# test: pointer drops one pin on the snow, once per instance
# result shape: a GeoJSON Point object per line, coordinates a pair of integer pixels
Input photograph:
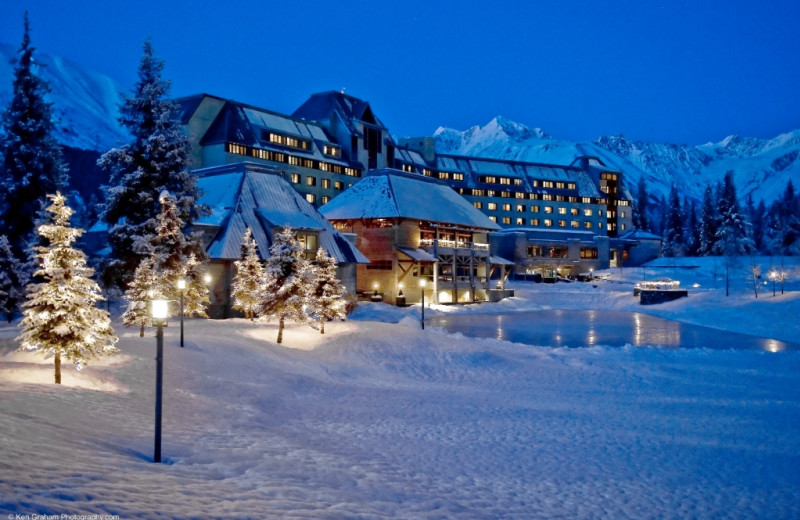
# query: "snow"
{"type": "Point", "coordinates": [379, 419]}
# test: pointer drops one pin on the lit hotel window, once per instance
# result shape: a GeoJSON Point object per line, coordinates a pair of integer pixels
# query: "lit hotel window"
{"type": "Point", "coordinates": [310, 197]}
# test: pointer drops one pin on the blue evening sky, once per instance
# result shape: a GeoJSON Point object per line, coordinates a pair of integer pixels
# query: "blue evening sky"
{"type": "Point", "coordinates": [681, 71]}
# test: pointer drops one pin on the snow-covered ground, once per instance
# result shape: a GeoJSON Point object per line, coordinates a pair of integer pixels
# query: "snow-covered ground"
{"type": "Point", "coordinates": [379, 419]}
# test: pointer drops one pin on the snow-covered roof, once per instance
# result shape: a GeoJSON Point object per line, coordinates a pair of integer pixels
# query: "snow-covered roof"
{"type": "Point", "coordinates": [323, 105]}
{"type": "Point", "coordinates": [243, 195]}
{"type": "Point", "coordinates": [389, 193]}
{"type": "Point", "coordinates": [638, 234]}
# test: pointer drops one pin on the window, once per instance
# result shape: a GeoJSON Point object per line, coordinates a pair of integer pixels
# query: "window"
{"type": "Point", "coordinates": [311, 180]}
{"type": "Point", "coordinates": [562, 211]}
{"type": "Point", "coordinates": [505, 194]}
{"type": "Point", "coordinates": [492, 218]}
{"type": "Point", "coordinates": [444, 175]}
{"type": "Point", "coordinates": [478, 204]}
{"type": "Point", "coordinates": [279, 157]}
{"type": "Point", "coordinates": [491, 206]}
{"type": "Point", "coordinates": [589, 252]}
{"type": "Point", "coordinates": [506, 207]}
{"type": "Point", "coordinates": [560, 185]}
{"type": "Point", "coordinates": [310, 197]}
{"type": "Point", "coordinates": [548, 222]}
{"type": "Point", "coordinates": [535, 251]}
{"type": "Point", "coordinates": [308, 163]}
{"type": "Point", "coordinates": [547, 184]}
{"type": "Point", "coordinates": [326, 183]}
{"type": "Point", "coordinates": [571, 185]}
{"type": "Point", "coordinates": [534, 222]}
{"type": "Point", "coordinates": [307, 241]}
{"type": "Point", "coordinates": [548, 209]}
{"type": "Point", "coordinates": [478, 193]}
{"type": "Point", "coordinates": [380, 265]}
{"type": "Point", "coordinates": [622, 226]}
{"type": "Point", "coordinates": [562, 223]}
{"type": "Point", "coordinates": [258, 153]}
{"type": "Point", "coordinates": [519, 195]}
{"type": "Point", "coordinates": [505, 180]}
{"type": "Point", "coordinates": [490, 193]}
{"type": "Point", "coordinates": [534, 209]}
{"type": "Point", "coordinates": [458, 176]}
{"type": "Point", "coordinates": [573, 211]}
{"type": "Point", "coordinates": [587, 225]}
{"type": "Point", "coordinates": [337, 185]}
{"type": "Point", "coordinates": [487, 179]}
{"type": "Point", "coordinates": [333, 151]}
{"type": "Point", "coordinates": [574, 224]}
{"type": "Point", "coordinates": [520, 221]}
{"type": "Point", "coordinates": [352, 172]}
{"type": "Point", "coordinates": [294, 178]}
{"type": "Point", "coordinates": [517, 182]}
{"type": "Point", "coordinates": [506, 220]}
{"type": "Point", "coordinates": [621, 214]}
{"type": "Point", "coordinates": [408, 168]}
{"type": "Point", "coordinates": [587, 212]}
{"type": "Point", "coordinates": [237, 149]}
{"type": "Point", "coordinates": [520, 208]}
{"type": "Point", "coordinates": [325, 199]}
{"type": "Point", "coordinates": [586, 200]}
{"type": "Point", "coordinates": [547, 196]}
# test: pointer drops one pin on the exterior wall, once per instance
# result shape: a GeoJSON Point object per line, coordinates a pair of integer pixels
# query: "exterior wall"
{"type": "Point", "coordinates": [644, 251]}
{"type": "Point", "coordinates": [199, 124]}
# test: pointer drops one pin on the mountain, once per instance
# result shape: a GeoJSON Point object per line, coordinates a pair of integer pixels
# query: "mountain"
{"type": "Point", "coordinates": [760, 167]}
{"type": "Point", "coordinates": [85, 103]}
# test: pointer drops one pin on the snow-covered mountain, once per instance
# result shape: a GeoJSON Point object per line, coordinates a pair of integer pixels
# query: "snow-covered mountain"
{"type": "Point", "coordinates": [86, 103]}
{"type": "Point", "coordinates": [761, 167]}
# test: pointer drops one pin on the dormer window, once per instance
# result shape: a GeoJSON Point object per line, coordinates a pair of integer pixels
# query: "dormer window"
{"type": "Point", "coordinates": [332, 151]}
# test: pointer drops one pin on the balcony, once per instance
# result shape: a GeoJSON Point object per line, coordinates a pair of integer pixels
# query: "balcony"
{"type": "Point", "coordinates": [453, 244]}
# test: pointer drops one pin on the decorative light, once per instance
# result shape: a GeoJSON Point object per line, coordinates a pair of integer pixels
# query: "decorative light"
{"type": "Point", "coordinates": [207, 278]}
{"type": "Point", "coordinates": [159, 310]}
{"type": "Point", "coordinates": [181, 284]}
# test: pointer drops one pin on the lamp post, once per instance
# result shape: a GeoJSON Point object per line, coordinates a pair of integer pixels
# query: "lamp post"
{"type": "Point", "coordinates": [159, 313]}
{"type": "Point", "coordinates": [772, 277]}
{"type": "Point", "coordinates": [422, 317]}
{"type": "Point", "coordinates": [181, 288]}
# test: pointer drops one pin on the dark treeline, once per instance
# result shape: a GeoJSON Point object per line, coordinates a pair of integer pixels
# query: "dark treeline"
{"type": "Point", "coordinates": [720, 224]}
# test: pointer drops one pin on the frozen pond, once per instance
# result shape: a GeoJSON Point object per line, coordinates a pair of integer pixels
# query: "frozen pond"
{"type": "Point", "coordinates": [575, 328]}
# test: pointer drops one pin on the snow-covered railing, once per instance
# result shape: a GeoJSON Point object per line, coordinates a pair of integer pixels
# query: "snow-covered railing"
{"type": "Point", "coordinates": [455, 244]}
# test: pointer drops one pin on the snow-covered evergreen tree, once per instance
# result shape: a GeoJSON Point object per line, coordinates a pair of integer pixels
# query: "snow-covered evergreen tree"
{"type": "Point", "coordinates": [783, 223]}
{"type": "Point", "coordinates": [195, 296]}
{"type": "Point", "coordinates": [31, 163]}
{"type": "Point", "coordinates": [170, 247]}
{"type": "Point", "coordinates": [156, 160]}
{"type": "Point", "coordinates": [732, 238]}
{"type": "Point", "coordinates": [287, 281]}
{"type": "Point", "coordinates": [144, 287]}
{"type": "Point", "coordinates": [326, 298]}
{"type": "Point", "coordinates": [12, 279]}
{"type": "Point", "coordinates": [247, 282]}
{"type": "Point", "coordinates": [61, 317]}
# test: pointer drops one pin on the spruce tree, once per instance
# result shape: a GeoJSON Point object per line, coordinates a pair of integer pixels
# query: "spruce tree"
{"type": "Point", "coordinates": [640, 218]}
{"type": "Point", "coordinates": [156, 160]}
{"type": "Point", "coordinates": [31, 162]}
{"type": "Point", "coordinates": [11, 280]}
{"type": "Point", "coordinates": [247, 288]}
{"type": "Point", "coordinates": [195, 296]}
{"type": "Point", "coordinates": [286, 281]}
{"type": "Point", "coordinates": [673, 243]}
{"type": "Point", "coordinates": [709, 222]}
{"type": "Point", "coordinates": [143, 288]}
{"type": "Point", "coordinates": [61, 317]}
{"type": "Point", "coordinates": [732, 234]}
{"type": "Point", "coordinates": [692, 229]}
{"type": "Point", "coordinates": [326, 299]}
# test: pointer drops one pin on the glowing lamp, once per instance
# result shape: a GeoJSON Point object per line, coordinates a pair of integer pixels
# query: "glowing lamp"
{"type": "Point", "coordinates": [181, 284]}
{"type": "Point", "coordinates": [159, 310]}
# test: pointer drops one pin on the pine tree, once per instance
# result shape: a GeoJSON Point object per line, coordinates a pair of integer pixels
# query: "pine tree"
{"type": "Point", "coordinates": [756, 216]}
{"type": "Point", "coordinates": [195, 296]}
{"type": "Point", "coordinates": [156, 160]}
{"type": "Point", "coordinates": [673, 243]}
{"type": "Point", "coordinates": [326, 299]}
{"type": "Point", "coordinates": [31, 162]}
{"type": "Point", "coordinates": [60, 316]}
{"type": "Point", "coordinates": [692, 230]}
{"type": "Point", "coordinates": [247, 288]}
{"type": "Point", "coordinates": [286, 281]}
{"type": "Point", "coordinates": [11, 280]}
{"type": "Point", "coordinates": [732, 234]}
{"type": "Point", "coordinates": [143, 288]}
{"type": "Point", "coordinates": [640, 218]}
{"type": "Point", "coordinates": [170, 247]}
{"type": "Point", "coordinates": [709, 222]}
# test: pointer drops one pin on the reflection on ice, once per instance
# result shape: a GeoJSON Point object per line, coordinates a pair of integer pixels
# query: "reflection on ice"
{"type": "Point", "coordinates": [610, 328]}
